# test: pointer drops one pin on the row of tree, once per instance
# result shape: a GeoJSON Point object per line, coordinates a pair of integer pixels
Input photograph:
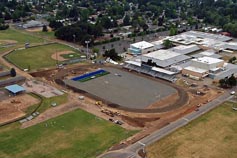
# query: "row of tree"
{"type": "Point", "coordinates": [79, 32]}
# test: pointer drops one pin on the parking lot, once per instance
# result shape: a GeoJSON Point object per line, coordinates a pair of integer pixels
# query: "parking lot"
{"type": "Point", "coordinates": [125, 89]}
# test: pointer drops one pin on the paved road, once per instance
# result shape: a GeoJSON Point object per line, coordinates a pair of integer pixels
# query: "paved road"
{"type": "Point", "coordinates": [157, 135]}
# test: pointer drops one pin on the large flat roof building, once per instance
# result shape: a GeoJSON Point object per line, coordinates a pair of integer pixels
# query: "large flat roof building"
{"type": "Point", "coordinates": [140, 48]}
{"type": "Point", "coordinates": [208, 40]}
{"type": "Point", "coordinates": [183, 49]}
{"type": "Point", "coordinates": [164, 58]}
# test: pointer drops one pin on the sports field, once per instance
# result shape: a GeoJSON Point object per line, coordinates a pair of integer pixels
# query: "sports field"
{"type": "Point", "coordinates": [37, 57]}
{"type": "Point", "coordinates": [19, 38]}
{"type": "Point", "coordinates": [213, 135]}
{"type": "Point", "coordinates": [125, 89]}
{"type": "Point", "coordinates": [77, 134]}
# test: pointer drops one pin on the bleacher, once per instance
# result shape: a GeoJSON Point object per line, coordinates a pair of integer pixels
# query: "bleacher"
{"type": "Point", "coordinates": [150, 72]}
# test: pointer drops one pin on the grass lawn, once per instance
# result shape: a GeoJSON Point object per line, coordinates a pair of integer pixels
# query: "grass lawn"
{"type": "Point", "coordinates": [76, 134]}
{"type": "Point", "coordinates": [49, 34]}
{"type": "Point", "coordinates": [18, 36]}
{"type": "Point", "coordinates": [213, 135]}
{"type": "Point", "coordinates": [37, 57]}
{"type": "Point", "coordinates": [46, 102]}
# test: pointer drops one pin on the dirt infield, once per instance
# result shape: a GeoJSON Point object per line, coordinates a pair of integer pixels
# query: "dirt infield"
{"type": "Point", "coordinates": [57, 55]}
{"type": "Point", "coordinates": [14, 107]}
{"type": "Point", "coordinates": [41, 88]}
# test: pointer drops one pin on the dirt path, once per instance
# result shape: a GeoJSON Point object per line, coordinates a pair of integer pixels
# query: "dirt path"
{"type": "Point", "coordinates": [51, 113]}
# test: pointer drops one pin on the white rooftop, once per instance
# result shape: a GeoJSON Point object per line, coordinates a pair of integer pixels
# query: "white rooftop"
{"type": "Point", "coordinates": [208, 52]}
{"type": "Point", "coordinates": [182, 47]}
{"type": "Point", "coordinates": [195, 69]}
{"type": "Point", "coordinates": [163, 70]}
{"type": "Point", "coordinates": [134, 63]}
{"type": "Point", "coordinates": [159, 42]}
{"type": "Point", "coordinates": [185, 49]}
{"type": "Point", "coordinates": [162, 54]}
{"type": "Point", "coordinates": [208, 60]}
{"type": "Point", "coordinates": [142, 45]}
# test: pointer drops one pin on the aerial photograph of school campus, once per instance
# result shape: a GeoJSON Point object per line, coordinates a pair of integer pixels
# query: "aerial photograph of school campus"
{"type": "Point", "coordinates": [118, 78]}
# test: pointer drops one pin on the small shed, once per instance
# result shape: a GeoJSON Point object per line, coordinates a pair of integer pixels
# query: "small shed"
{"type": "Point", "coordinates": [15, 89]}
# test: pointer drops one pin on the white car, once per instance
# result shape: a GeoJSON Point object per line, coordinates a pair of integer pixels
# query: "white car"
{"type": "Point", "coordinates": [232, 92]}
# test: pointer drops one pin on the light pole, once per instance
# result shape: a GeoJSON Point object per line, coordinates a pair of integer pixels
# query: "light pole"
{"type": "Point", "coordinates": [74, 38]}
{"type": "Point", "coordinates": [87, 52]}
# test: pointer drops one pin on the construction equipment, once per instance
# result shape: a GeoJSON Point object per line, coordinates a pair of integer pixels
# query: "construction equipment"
{"type": "Point", "coordinates": [98, 103]}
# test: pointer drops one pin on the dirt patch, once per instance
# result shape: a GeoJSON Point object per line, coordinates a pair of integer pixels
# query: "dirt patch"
{"type": "Point", "coordinates": [57, 56]}
{"type": "Point", "coordinates": [14, 107]}
{"type": "Point", "coordinates": [167, 101]}
{"type": "Point", "coordinates": [138, 122]}
{"type": "Point", "coordinates": [37, 29]}
{"type": "Point", "coordinates": [7, 42]}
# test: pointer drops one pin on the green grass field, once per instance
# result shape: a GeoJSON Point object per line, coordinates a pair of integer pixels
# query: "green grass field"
{"type": "Point", "coordinates": [49, 34]}
{"type": "Point", "coordinates": [37, 57]}
{"type": "Point", "coordinates": [18, 36]}
{"type": "Point", "coordinates": [46, 102]}
{"type": "Point", "coordinates": [77, 134]}
{"type": "Point", "coordinates": [213, 135]}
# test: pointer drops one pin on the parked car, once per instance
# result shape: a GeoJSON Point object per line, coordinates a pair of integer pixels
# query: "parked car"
{"type": "Point", "coordinates": [118, 122]}
{"type": "Point", "coordinates": [232, 92]}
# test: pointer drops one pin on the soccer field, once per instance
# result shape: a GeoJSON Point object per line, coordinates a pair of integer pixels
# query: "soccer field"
{"type": "Point", "coordinates": [213, 135]}
{"type": "Point", "coordinates": [76, 134]}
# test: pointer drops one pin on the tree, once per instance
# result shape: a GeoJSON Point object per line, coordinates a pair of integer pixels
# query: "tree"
{"type": "Point", "coordinates": [112, 54]}
{"type": "Point", "coordinates": [126, 20]}
{"type": "Point", "coordinates": [55, 24]}
{"type": "Point", "coordinates": [45, 29]}
{"type": "Point", "coordinates": [95, 50]}
{"type": "Point", "coordinates": [167, 44]}
{"type": "Point", "coordinates": [13, 72]}
{"type": "Point", "coordinates": [232, 80]}
{"type": "Point", "coordinates": [222, 82]}
{"type": "Point", "coordinates": [173, 31]}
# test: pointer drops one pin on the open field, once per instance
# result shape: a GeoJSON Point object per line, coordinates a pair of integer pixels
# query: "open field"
{"type": "Point", "coordinates": [75, 134]}
{"type": "Point", "coordinates": [37, 57]}
{"type": "Point", "coordinates": [125, 89]}
{"type": "Point", "coordinates": [212, 135]}
{"type": "Point", "coordinates": [49, 34]}
{"type": "Point", "coordinates": [20, 38]}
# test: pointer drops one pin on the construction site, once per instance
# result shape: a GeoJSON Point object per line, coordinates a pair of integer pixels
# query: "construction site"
{"type": "Point", "coordinates": [149, 115]}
